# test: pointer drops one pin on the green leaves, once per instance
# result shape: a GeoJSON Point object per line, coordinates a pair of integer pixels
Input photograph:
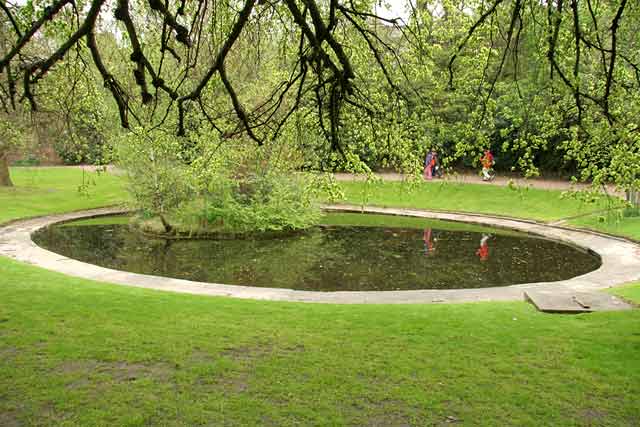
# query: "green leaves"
{"type": "Point", "coordinates": [200, 184]}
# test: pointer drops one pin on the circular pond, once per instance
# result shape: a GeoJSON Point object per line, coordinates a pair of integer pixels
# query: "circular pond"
{"type": "Point", "coordinates": [350, 252]}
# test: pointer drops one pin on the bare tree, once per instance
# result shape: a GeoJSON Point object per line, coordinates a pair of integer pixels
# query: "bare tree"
{"type": "Point", "coordinates": [322, 68]}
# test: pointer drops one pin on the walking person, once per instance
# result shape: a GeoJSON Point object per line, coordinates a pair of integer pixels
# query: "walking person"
{"type": "Point", "coordinates": [429, 163]}
{"type": "Point", "coordinates": [487, 166]}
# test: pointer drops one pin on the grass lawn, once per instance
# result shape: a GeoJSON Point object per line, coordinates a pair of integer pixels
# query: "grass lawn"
{"type": "Point", "coordinates": [543, 205]}
{"type": "Point", "coordinates": [625, 226]}
{"type": "Point", "coordinates": [40, 191]}
{"type": "Point", "coordinates": [101, 220]}
{"type": "Point", "coordinates": [75, 352]}
{"type": "Point", "coordinates": [79, 353]}
{"type": "Point", "coordinates": [630, 292]}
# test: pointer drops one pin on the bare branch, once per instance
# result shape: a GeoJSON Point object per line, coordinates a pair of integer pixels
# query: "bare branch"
{"type": "Point", "coordinates": [242, 115]}
{"type": "Point", "coordinates": [48, 15]}
{"type": "Point", "coordinates": [14, 24]}
{"type": "Point", "coordinates": [110, 82]}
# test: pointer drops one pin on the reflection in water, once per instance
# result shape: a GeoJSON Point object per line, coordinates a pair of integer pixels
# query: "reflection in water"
{"type": "Point", "coordinates": [331, 258]}
{"type": "Point", "coordinates": [483, 250]}
{"type": "Point", "coordinates": [429, 247]}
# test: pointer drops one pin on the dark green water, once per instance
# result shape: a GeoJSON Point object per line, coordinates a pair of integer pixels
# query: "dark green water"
{"type": "Point", "coordinates": [333, 258]}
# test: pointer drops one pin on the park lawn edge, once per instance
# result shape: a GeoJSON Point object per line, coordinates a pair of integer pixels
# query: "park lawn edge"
{"type": "Point", "coordinates": [86, 337]}
{"type": "Point", "coordinates": [77, 352]}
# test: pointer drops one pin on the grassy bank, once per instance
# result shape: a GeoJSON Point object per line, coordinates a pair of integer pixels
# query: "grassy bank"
{"type": "Point", "coordinates": [75, 352]}
{"type": "Point", "coordinates": [531, 203]}
{"type": "Point", "coordinates": [611, 224]}
{"type": "Point", "coordinates": [543, 205]}
{"type": "Point", "coordinates": [41, 191]}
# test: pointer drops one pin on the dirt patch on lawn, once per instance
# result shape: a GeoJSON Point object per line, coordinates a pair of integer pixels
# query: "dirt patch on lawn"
{"type": "Point", "coordinates": [378, 413]}
{"type": "Point", "coordinates": [237, 378]}
{"type": "Point", "coordinates": [237, 383]}
{"type": "Point", "coordinates": [248, 353]}
{"type": "Point", "coordinates": [87, 372]}
{"type": "Point", "coordinates": [245, 357]}
{"type": "Point", "coordinates": [259, 351]}
{"type": "Point", "coordinates": [592, 417]}
{"type": "Point", "coordinates": [201, 357]}
{"type": "Point", "coordinates": [9, 419]}
{"type": "Point", "coordinates": [386, 420]}
{"type": "Point", "coordinates": [8, 353]}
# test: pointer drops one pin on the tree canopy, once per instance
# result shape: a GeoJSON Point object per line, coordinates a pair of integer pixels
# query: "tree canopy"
{"type": "Point", "coordinates": [530, 78]}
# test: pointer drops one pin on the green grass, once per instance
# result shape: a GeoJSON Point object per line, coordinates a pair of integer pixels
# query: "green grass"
{"type": "Point", "coordinates": [41, 191]}
{"type": "Point", "coordinates": [75, 352]}
{"type": "Point", "coordinates": [79, 353]}
{"type": "Point", "coordinates": [612, 224]}
{"type": "Point", "coordinates": [543, 205]}
{"type": "Point", "coordinates": [630, 292]}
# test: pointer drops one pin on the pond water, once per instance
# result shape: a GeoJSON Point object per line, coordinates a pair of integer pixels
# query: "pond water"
{"type": "Point", "coordinates": [403, 254]}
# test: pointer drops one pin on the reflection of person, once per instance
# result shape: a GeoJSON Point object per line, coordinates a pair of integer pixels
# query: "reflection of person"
{"type": "Point", "coordinates": [429, 247]}
{"type": "Point", "coordinates": [429, 164]}
{"type": "Point", "coordinates": [487, 165]}
{"type": "Point", "coordinates": [483, 250]}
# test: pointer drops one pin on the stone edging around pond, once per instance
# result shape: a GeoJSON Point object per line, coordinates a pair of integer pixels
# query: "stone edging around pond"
{"type": "Point", "coordinates": [620, 264]}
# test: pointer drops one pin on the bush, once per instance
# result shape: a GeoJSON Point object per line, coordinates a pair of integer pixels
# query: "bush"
{"type": "Point", "coordinates": [201, 185]}
{"type": "Point", "coordinates": [85, 149]}
{"type": "Point", "coordinates": [157, 178]}
{"type": "Point", "coordinates": [631, 212]}
{"type": "Point", "coordinates": [246, 188]}
{"type": "Point", "coordinates": [273, 201]}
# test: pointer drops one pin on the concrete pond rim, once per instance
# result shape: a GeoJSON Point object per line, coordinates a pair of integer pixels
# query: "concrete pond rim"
{"type": "Point", "coordinates": [620, 263]}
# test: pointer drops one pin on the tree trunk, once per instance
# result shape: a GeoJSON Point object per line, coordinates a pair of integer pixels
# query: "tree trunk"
{"type": "Point", "coordinates": [167, 227]}
{"type": "Point", "coordinates": [5, 178]}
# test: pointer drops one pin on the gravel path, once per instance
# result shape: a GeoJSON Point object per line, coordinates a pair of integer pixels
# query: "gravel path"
{"type": "Point", "coordinates": [458, 178]}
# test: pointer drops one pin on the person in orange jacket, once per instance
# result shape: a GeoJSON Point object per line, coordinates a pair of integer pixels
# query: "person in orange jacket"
{"type": "Point", "coordinates": [487, 161]}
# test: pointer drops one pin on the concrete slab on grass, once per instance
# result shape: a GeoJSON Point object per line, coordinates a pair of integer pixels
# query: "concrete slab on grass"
{"type": "Point", "coordinates": [567, 301]}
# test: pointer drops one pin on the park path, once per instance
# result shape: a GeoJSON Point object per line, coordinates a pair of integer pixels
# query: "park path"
{"type": "Point", "coordinates": [457, 178]}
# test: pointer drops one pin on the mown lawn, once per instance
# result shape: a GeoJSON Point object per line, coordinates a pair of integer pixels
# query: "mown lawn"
{"type": "Point", "coordinates": [611, 224]}
{"type": "Point", "coordinates": [75, 352]}
{"type": "Point", "coordinates": [41, 191]}
{"type": "Point", "coordinates": [44, 190]}
{"type": "Point", "coordinates": [80, 353]}
{"type": "Point", "coordinates": [542, 205]}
